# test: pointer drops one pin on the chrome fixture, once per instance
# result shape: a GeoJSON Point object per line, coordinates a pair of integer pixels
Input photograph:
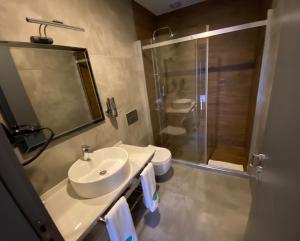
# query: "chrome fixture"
{"type": "Point", "coordinates": [257, 161]}
{"type": "Point", "coordinates": [53, 23]}
{"type": "Point", "coordinates": [86, 150]}
{"type": "Point", "coordinates": [111, 108]}
{"type": "Point", "coordinates": [103, 172]}
{"type": "Point", "coordinates": [171, 34]}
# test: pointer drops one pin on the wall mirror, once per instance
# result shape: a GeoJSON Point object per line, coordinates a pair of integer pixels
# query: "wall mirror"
{"type": "Point", "coordinates": [49, 86]}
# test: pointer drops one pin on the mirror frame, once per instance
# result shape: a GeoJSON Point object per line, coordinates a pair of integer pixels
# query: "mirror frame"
{"type": "Point", "coordinates": [9, 44]}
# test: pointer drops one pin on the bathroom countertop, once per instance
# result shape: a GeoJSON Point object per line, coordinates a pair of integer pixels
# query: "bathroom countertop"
{"type": "Point", "coordinates": [75, 216]}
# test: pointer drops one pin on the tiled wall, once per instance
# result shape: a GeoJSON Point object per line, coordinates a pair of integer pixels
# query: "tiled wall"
{"type": "Point", "coordinates": [145, 21]}
{"type": "Point", "coordinates": [215, 13]}
{"type": "Point", "coordinates": [110, 38]}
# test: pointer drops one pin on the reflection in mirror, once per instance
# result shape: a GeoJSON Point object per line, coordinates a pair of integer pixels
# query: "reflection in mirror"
{"type": "Point", "coordinates": [51, 86]}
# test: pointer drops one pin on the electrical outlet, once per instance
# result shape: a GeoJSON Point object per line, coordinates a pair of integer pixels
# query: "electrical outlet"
{"type": "Point", "coordinates": [132, 117]}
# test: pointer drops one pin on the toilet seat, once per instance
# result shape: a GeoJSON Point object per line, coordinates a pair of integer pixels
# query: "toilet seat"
{"type": "Point", "coordinates": [161, 160]}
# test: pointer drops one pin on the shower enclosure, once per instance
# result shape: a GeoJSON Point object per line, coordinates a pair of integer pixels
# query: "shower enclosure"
{"type": "Point", "coordinates": [182, 93]}
{"type": "Point", "coordinates": [177, 89]}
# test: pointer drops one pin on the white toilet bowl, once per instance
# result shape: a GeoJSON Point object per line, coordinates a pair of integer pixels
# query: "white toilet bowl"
{"type": "Point", "coordinates": [161, 160]}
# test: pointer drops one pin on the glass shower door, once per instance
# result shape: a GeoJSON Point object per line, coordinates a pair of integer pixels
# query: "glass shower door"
{"type": "Point", "coordinates": [177, 96]}
{"type": "Point", "coordinates": [202, 98]}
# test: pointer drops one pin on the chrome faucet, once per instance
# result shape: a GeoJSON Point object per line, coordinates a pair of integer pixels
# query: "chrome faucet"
{"type": "Point", "coordinates": [86, 150]}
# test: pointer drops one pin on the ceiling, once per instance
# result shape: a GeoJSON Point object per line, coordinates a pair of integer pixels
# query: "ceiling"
{"type": "Point", "coordinates": [159, 7]}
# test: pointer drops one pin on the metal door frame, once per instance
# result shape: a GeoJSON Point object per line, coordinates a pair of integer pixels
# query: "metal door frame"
{"type": "Point", "coordinates": [20, 188]}
{"type": "Point", "coordinates": [208, 34]}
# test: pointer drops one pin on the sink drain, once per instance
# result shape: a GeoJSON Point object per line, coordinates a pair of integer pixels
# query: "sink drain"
{"type": "Point", "coordinates": [101, 173]}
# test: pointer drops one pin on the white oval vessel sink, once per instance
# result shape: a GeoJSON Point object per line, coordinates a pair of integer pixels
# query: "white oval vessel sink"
{"type": "Point", "coordinates": [106, 170]}
{"type": "Point", "coordinates": [181, 103]}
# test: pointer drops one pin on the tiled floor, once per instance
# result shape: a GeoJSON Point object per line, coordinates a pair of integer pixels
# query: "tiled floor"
{"type": "Point", "coordinates": [196, 205]}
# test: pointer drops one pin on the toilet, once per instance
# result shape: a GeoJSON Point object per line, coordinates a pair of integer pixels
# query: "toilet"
{"type": "Point", "coordinates": [161, 160]}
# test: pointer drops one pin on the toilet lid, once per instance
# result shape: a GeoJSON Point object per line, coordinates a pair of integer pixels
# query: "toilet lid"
{"type": "Point", "coordinates": [161, 154]}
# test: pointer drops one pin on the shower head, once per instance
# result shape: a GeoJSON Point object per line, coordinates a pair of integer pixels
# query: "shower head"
{"type": "Point", "coordinates": [171, 34]}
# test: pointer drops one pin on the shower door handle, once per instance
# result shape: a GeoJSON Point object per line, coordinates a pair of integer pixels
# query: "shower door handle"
{"type": "Point", "coordinates": [202, 101]}
{"type": "Point", "coordinates": [163, 91]}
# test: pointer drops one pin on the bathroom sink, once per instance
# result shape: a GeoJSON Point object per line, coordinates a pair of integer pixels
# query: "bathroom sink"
{"type": "Point", "coordinates": [181, 103]}
{"type": "Point", "coordinates": [106, 170]}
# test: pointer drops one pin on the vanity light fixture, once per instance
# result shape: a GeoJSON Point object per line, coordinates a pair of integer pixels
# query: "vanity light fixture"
{"type": "Point", "coordinates": [54, 23]}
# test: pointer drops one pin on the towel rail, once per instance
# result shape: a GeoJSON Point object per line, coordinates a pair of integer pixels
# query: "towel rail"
{"type": "Point", "coordinates": [129, 191]}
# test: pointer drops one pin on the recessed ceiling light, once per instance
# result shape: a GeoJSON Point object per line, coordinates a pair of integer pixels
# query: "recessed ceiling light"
{"type": "Point", "coordinates": [175, 5]}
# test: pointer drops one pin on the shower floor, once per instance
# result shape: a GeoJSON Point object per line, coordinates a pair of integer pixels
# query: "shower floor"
{"type": "Point", "coordinates": [227, 165]}
{"type": "Point", "coordinates": [189, 151]}
{"type": "Point", "coordinates": [231, 154]}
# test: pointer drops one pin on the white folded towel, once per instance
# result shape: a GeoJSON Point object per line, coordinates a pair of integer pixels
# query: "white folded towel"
{"type": "Point", "coordinates": [119, 222]}
{"type": "Point", "coordinates": [149, 187]}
